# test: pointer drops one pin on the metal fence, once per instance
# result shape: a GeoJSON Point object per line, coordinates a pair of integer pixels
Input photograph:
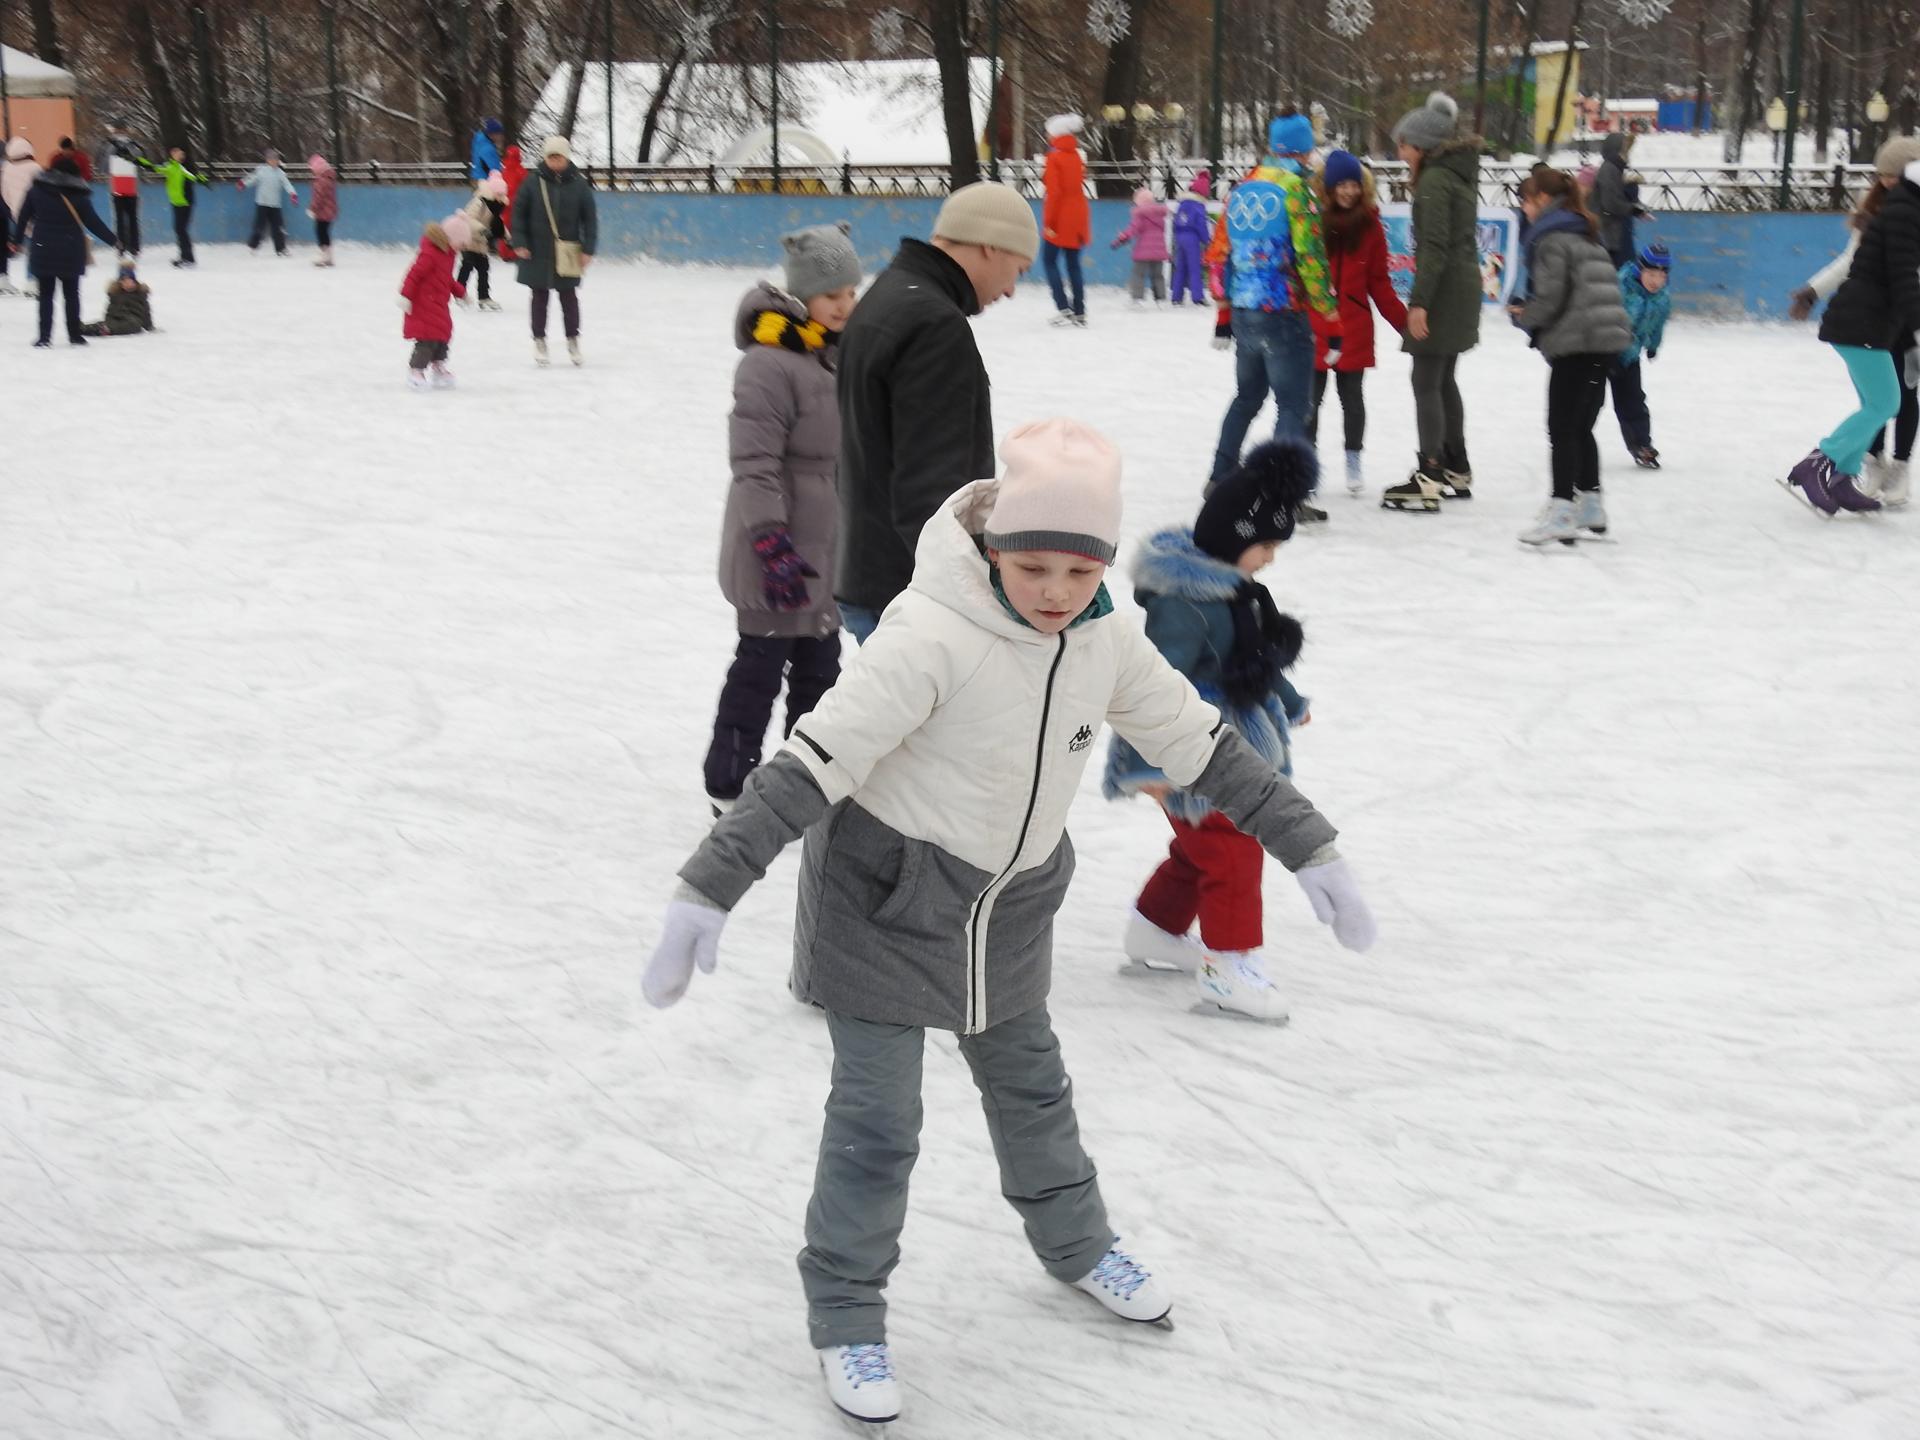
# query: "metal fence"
{"type": "Point", "coordinates": [1725, 188]}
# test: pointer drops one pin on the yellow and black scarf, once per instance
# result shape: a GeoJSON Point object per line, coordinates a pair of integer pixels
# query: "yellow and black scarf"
{"type": "Point", "coordinates": [803, 337]}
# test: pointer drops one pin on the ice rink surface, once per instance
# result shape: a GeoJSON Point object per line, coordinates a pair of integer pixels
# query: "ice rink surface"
{"type": "Point", "coordinates": [349, 739]}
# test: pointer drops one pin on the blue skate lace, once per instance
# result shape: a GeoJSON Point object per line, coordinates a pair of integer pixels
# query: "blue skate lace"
{"type": "Point", "coordinates": [1120, 1273]}
{"type": "Point", "coordinates": [867, 1364]}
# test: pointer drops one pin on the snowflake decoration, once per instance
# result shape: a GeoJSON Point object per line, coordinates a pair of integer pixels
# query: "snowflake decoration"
{"type": "Point", "coordinates": [1350, 18]}
{"type": "Point", "coordinates": [888, 32]}
{"type": "Point", "coordinates": [1643, 12]}
{"type": "Point", "coordinates": [1108, 21]}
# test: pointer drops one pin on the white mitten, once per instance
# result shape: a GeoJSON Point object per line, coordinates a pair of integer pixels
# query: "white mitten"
{"type": "Point", "coordinates": [690, 937]}
{"type": "Point", "coordinates": [406, 305]}
{"type": "Point", "coordinates": [1337, 901]}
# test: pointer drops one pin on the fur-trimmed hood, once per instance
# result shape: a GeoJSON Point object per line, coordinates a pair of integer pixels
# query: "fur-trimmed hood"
{"type": "Point", "coordinates": [1169, 563]}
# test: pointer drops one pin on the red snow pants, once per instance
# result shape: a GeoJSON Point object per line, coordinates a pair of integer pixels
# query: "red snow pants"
{"type": "Point", "coordinates": [1212, 872]}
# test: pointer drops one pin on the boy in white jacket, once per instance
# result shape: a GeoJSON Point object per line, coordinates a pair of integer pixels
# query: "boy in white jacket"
{"type": "Point", "coordinates": [272, 192]}
{"type": "Point", "coordinates": [932, 785]}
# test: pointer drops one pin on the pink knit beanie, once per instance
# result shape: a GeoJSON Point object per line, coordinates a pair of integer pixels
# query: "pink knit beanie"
{"type": "Point", "coordinates": [1059, 490]}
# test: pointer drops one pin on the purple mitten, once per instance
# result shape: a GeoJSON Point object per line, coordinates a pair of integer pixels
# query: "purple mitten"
{"type": "Point", "coordinates": [783, 573]}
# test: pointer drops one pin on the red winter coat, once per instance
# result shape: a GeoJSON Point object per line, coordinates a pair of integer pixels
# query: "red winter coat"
{"type": "Point", "coordinates": [1066, 218]}
{"type": "Point", "coordinates": [432, 289]}
{"type": "Point", "coordinates": [1357, 266]}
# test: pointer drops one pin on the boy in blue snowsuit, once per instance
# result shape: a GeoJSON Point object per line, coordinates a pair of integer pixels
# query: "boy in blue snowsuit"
{"type": "Point", "coordinates": [1643, 289]}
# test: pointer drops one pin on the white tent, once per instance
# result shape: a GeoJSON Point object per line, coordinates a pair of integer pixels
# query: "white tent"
{"type": "Point", "coordinates": [31, 78]}
{"type": "Point", "coordinates": [873, 112]}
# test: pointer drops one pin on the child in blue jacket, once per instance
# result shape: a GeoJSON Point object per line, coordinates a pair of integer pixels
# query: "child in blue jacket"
{"type": "Point", "coordinates": [1643, 289]}
{"type": "Point", "coordinates": [1218, 626]}
{"type": "Point", "coordinates": [1192, 227]}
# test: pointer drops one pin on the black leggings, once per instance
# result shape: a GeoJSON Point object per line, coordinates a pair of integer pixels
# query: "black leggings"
{"type": "Point", "coordinates": [427, 352]}
{"type": "Point", "coordinates": [126, 223]}
{"type": "Point", "coordinates": [182, 231]}
{"type": "Point", "coordinates": [1438, 413]}
{"type": "Point", "coordinates": [472, 262]}
{"type": "Point", "coordinates": [265, 218]}
{"type": "Point", "coordinates": [1576, 393]}
{"type": "Point", "coordinates": [1353, 404]}
{"type": "Point", "coordinates": [1904, 425]}
{"type": "Point", "coordinates": [323, 233]}
{"type": "Point", "coordinates": [68, 285]}
{"type": "Point", "coordinates": [808, 664]}
{"type": "Point", "coordinates": [569, 310]}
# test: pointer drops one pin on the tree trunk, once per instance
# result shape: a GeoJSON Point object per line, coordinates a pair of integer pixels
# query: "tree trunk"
{"type": "Point", "coordinates": [213, 109]}
{"type": "Point", "coordinates": [1699, 69]}
{"type": "Point", "coordinates": [570, 112]}
{"type": "Point", "coordinates": [1120, 85]}
{"type": "Point", "coordinates": [46, 32]}
{"type": "Point", "coordinates": [1822, 102]}
{"type": "Point", "coordinates": [1747, 62]}
{"type": "Point", "coordinates": [947, 22]}
{"type": "Point", "coordinates": [1566, 75]}
{"type": "Point", "coordinates": [650, 127]}
{"type": "Point", "coordinates": [1516, 111]}
{"type": "Point", "coordinates": [149, 55]}
{"type": "Point", "coordinates": [506, 29]}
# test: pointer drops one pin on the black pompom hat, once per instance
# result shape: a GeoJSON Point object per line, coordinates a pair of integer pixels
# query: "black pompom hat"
{"type": "Point", "coordinates": [1258, 500]}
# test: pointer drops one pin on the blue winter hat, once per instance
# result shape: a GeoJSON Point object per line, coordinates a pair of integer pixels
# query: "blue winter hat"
{"type": "Point", "coordinates": [1290, 134]}
{"type": "Point", "coordinates": [1342, 167]}
{"type": "Point", "coordinates": [1655, 257]}
{"type": "Point", "coordinates": [492, 126]}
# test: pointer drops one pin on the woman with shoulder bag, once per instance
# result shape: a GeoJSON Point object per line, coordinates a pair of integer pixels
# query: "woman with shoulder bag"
{"type": "Point", "coordinates": [59, 211]}
{"type": "Point", "coordinates": [555, 232]}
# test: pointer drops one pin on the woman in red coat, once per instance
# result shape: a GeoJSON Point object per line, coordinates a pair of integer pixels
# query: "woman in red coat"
{"type": "Point", "coordinates": [426, 297]}
{"type": "Point", "coordinates": [1066, 218]}
{"type": "Point", "coordinates": [1357, 263]}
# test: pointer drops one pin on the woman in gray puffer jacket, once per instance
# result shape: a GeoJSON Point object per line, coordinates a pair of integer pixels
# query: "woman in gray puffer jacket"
{"type": "Point", "coordinates": [1574, 314]}
{"type": "Point", "coordinates": [783, 511]}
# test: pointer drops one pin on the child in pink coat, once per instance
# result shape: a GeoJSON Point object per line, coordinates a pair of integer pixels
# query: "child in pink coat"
{"type": "Point", "coordinates": [1148, 231]}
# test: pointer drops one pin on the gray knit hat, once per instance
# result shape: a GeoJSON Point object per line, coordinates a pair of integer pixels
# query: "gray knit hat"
{"type": "Point", "coordinates": [1898, 153]}
{"type": "Point", "coordinates": [1431, 126]}
{"type": "Point", "coordinates": [820, 260]}
{"type": "Point", "coordinates": [987, 213]}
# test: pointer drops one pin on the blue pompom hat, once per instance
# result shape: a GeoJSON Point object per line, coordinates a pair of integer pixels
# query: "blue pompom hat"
{"type": "Point", "coordinates": [1655, 257]}
{"type": "Point", "coordinates": [1290, 135]}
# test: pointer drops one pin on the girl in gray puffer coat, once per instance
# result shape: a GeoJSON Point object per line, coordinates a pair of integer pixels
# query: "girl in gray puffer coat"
{"type": "Point", "coordinates": [782, 517]}
{"type": "Point", "coordinates": [1573, 312]}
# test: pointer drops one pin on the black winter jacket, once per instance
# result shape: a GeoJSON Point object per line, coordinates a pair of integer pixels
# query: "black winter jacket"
{"type": "Point", "coordinates": [916, 417]}
{"type": "Point", "coordinates": [1878, 305]}
{"type": "Point", "coordinates": [59, 244]}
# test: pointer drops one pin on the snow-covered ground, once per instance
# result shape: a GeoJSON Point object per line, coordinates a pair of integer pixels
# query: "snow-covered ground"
{"type": "Point", "coordinates": [349, 739]}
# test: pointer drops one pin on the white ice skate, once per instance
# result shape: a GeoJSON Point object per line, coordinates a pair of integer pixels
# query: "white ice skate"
{"type": "Point", "coordinates": [861, 1382]}
{"type": "Point", "coordinates": [7, 287]}
{"type": "Point", "coordinates": [573, 352]}
{"type": "Point", "coordinates": [1557, 522]}
{"type": "Point", "coordinates": [1590, 514]}
{"type": "Point", "coordinates": [1153, 951]}
{"type": "Point", "coordinates": [1356, 482]}
{"type": "Point", "coordinates": [442, 376]}
{"type": "Point", "coordinates": [540, 353]}
{"type": "Point", "coordinates": [1895, 489]}
{"type": "Point", "coordinates": [1236, 982]}
{"type": "Point", "coordinates": [1873, 477]}
{"type": "Point", "coordinates": [1128, 1289]}
{"type": "Point", "coordinates": [489, 304]}
{"type": "Point", "coordinates": [1061, 319]}
{"type": "Point", "coordinates": [417, 380]}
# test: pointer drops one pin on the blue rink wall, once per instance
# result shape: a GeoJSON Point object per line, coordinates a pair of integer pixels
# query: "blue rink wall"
{"type": "Point", "coordinates": [1725, 265]}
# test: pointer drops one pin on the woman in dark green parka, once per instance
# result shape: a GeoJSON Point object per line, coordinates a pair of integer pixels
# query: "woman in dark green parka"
{"type": "Point", "coordinates": [1443, 312]}
{"type": "Point", "coordinates": [555, 203]}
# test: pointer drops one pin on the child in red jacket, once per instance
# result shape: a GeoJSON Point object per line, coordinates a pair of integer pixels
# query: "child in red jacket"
{"type": "Point", "coordinates": [426, 298]}
{"type": "Point", "coordinates": [1357, 264]}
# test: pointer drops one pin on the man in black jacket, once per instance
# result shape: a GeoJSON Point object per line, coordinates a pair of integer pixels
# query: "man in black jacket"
{"type": "Point", "coordinates": [916, 414]}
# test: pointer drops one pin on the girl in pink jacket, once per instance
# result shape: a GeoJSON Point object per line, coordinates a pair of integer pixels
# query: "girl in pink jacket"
{"type": "Point", "coordinates": [1148, 231]}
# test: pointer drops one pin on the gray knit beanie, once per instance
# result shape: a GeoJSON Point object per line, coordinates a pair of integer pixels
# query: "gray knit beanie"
{"type": "Point", "coordinates": [820, 260]}
{"type": "Point", "coordinates": [1431, 126]}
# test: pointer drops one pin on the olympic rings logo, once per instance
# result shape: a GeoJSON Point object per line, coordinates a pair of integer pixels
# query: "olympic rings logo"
{"type": "Point", "coordinates": [1254, 207]}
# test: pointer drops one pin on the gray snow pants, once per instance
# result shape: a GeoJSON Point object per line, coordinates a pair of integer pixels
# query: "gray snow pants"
{"type": "Point", "coordinates": [1142, 272]}
{"type": "Point", "coordinates": [872, 1137]}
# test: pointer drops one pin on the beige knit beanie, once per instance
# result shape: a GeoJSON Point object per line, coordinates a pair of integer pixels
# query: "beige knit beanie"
{"type": "Point", "coordinates": [987, 213]}
{"type": "Point", "coordinates": [1059, 490]}
{"type": "Point", "coordinates": [1893, 157]}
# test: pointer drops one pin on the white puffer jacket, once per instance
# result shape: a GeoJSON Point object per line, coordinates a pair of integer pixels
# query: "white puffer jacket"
{"type": "Point", "coordinates": [960, 725]}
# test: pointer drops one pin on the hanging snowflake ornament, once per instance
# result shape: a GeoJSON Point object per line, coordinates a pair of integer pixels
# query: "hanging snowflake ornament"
{"type": "Point", "coordinates": [888, 32]}
{"type": "Point", "coordinates": [1349, 19]}
{"type": "Point", "coordinates": [1643, 12]}
{"type": "Point", "coordinates": [1108, 21]}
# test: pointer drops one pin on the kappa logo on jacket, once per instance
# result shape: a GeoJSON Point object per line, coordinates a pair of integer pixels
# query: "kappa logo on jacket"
{"type": "Point", "coordinates": [1082, 738]}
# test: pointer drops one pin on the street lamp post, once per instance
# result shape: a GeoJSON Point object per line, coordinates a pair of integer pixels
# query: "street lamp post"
{"type": "Point", "coordinates": [1877, 112]}
{"type": "Point", "coordinates": [1793, 98]}
{"type": "Point", "coordinates": [1776, 122]}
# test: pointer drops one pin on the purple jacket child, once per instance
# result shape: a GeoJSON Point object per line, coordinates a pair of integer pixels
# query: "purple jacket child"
{"type": "Point", "coordinates": [1191, 230]}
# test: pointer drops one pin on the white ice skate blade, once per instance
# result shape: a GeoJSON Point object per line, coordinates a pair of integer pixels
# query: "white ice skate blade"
{"type": "Point", "coordinates": [1215, 1010]}
{"type": "Point", "coordinates": [1138, 969]}
{"type": "Point", "coordinates": [1805, 504]}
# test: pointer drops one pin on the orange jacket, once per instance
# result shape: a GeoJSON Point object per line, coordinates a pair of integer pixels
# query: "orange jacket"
{"type": "Point", "coordinates": [1066, 219]}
